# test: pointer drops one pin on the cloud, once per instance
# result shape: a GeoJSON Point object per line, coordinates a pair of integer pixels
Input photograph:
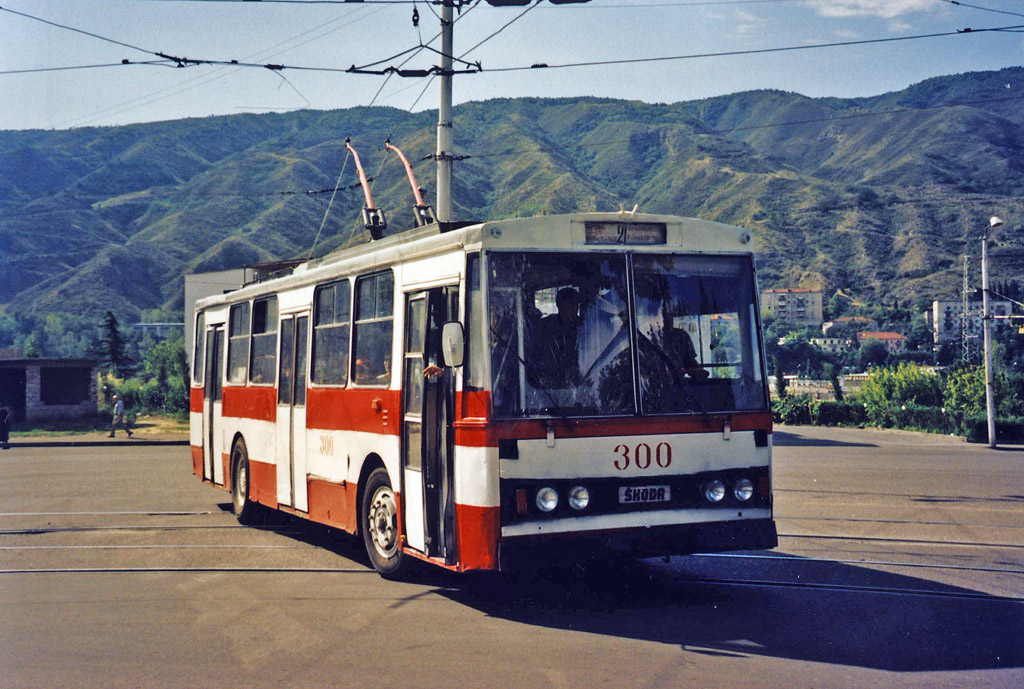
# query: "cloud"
{"type": "Point", "coordinates": [886, 9]}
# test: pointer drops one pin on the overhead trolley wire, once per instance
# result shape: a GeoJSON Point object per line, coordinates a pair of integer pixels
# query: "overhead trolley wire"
{"type": "Point", "coordinates": [754, 51]}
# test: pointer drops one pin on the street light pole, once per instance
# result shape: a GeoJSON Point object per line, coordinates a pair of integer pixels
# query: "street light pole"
{"type": "Point", "coordinates": [986, 321]}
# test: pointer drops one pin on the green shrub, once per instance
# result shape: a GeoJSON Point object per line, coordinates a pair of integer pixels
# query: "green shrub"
{"type": "Point", "coordinates": [829, 413]}
{"type": "Point", "coordinates": [1008, 429]}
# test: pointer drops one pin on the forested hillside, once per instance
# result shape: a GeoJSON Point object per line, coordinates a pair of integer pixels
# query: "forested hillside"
{"type": "Point", "coordinates": [875, 196]}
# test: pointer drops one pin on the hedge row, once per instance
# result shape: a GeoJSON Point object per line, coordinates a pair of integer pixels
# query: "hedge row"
{"type": "Point", "coordinates": [797, 410]}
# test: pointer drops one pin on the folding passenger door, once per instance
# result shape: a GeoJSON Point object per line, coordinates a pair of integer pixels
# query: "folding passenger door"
{"type": "Point", "coordinates": [291, 412]}
{"type": "Point", "coordinates": [213, 465]}
{"type": "Point", "coordinates": [427, 439]}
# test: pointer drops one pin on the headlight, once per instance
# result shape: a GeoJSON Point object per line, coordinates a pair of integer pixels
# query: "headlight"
{"type": "Point", "coordinates": [547, 499]}
{"type": "Point", "coordinates": [579, 498]}
{"type": "Point", "coordinates": [743, 490]}
{"type": "Point", "coordinates": [714, 491]}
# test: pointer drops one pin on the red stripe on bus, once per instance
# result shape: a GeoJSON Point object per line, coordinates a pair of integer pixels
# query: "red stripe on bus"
{"type": "Point", "coordinates": [473, 433]}
{"type": "Point", "coordinates": [197, 461]}
{"type": "Point", "coordinates": [336, 409]}
{"type": "Point", "coordinates": [333, 504]}
{"type": "Point", "coordinates": [195, 400]}
{"type": "Point", "coordinates": [479, 528]}
{"type": "Point", "coordinates": [263, 483]}
{"type": "Point", "coordinates": [258, 403]}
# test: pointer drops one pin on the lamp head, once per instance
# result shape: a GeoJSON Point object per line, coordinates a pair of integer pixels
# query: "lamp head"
{"type": "Point", "coordinates": [994, 221]}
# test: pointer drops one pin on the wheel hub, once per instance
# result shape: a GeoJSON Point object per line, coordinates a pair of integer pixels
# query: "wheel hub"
{"type": "Point", "coordinates": [383, 526]}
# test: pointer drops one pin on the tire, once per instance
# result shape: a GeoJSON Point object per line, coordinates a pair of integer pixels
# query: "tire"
{"type": "Point", "coordinates": [379, 524]}
{"type": "Point", "coordinates": [245, 509]}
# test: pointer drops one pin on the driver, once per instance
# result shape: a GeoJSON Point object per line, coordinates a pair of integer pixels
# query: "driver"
{"type": "Point", "coordinates": [679, 347]}
{"type": "Point", "coordinates": [556, 362]}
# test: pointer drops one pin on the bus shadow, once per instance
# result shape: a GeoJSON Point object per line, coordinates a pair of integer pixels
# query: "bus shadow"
{"type": "Point", "coordinates": [688, 603]}
{"type": "Point", "coordinates": [791, 439]}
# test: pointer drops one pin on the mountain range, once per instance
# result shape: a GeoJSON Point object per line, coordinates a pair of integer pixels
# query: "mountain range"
{"type": "Point", "coordinates": [878, 197]}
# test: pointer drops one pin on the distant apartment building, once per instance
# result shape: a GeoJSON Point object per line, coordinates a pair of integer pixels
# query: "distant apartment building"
{"type": "Point", "coordinates": [894, 342]}
{"type": "Point", "coordinates": [859, 322]}
{"type": "Point", "coordinates": [946, 323]}
{"type": "Point", "coordinates": [832, 344]}
{"type": "Point", "coordinates": [793, 305]}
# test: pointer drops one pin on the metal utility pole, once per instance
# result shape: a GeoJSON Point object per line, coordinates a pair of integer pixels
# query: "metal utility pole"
{"type": "Point", "coordinates": [986, 320]}
{"type": "Point", "coordinates": [444, 118]}
{"type": "Point", "coordinates": [965, 315]}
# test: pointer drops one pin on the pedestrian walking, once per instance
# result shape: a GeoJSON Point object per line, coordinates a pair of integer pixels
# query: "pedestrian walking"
{"type": "Point", "coordinates": [119, 417]}
{"type": "Point", "coordinates": [6, 420]}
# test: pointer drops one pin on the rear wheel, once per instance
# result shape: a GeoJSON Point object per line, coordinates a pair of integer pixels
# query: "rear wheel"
{"type": "Point", "coordinates": [379, 516]}
{"type": "Point", "coordinates": [244, 508]}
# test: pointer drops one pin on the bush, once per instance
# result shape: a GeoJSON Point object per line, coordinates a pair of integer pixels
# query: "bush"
{"type": "Point", "coordinates": [792, 409]}
{"type": "Point", "coordinates": [1008, 429]}
{"type": "Point", "coordinates": [827, 413]}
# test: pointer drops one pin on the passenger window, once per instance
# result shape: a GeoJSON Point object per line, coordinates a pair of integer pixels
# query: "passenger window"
{"type": "Point", "coordinates": [373, 329]}
{"type": "Point", "coordinates": [238, 343]}
{"type": "Point", "coordinates": [330, 333]}
{"type": "Point", "coordinates": [264, 341]}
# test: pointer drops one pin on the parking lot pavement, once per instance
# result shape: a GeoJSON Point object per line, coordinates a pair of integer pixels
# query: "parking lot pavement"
{"type": "Point", "coordinates": [901, 563]}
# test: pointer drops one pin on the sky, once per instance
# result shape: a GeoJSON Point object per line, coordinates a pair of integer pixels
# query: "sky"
{"type": "Point", "coordinates": [300, 33]}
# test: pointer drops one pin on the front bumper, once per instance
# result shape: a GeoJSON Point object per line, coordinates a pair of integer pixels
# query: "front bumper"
{"type": "Point", "coordinates": [704, 537]}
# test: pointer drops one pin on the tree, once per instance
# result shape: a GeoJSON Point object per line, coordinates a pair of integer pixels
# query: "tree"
{"type": "Point", "coordinates": [963, 390]}
{"type": "Point", "coordinates": [110, 347]}
{"type": "Point", "coordinates": [872, 353]}
{"type": "Point", "coordinates": [780, 378]}
{"type": "Point", "coordinates": [832, 373]}
{"type": "Point", "coordinates": [886, 388]}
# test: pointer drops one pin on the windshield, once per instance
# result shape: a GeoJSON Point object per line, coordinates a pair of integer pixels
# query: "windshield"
{"type": "Point", "coordinates": [697, 334]}
{"type": "Point", "coordinates": [561, 341]}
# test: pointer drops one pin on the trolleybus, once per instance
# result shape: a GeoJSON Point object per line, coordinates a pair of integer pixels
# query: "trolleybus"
{"type": "Point", "coordinates": [473, 395]}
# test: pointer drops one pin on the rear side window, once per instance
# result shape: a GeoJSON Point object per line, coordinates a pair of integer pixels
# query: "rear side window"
{"type": "Point", "coordinates": [375, 297]}
{"type": "Point", "coordinates": [199, 350]}
{"type": "Point", "coordinates": [264, 341]}
{"type": "Point", "coordinates": [238, 343]}
{"type": "Point", "coordinates": [331, 319]}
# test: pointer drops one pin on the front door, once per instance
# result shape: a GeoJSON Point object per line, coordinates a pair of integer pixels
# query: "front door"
{"type": "Point", "coordinates": [428, 410]}
{"type": "Point", "coordinates": [213, 465]}
{"type": "Point", "coordinates": [291, 413]}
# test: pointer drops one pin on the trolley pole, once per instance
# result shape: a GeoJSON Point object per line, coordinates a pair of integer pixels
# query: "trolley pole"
{"type": "Point", "coordinates": [444, 118]}
{"type": "Point", "coordinates": [986, 324]}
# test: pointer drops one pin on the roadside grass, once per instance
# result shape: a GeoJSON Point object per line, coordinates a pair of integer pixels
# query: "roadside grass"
{"type": "Point", "coordinates": [145, 424]}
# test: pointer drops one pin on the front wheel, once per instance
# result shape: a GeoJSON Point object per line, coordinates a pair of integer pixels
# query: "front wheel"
{"type": "Point", "coordinates": [380, 525]}
{"type": "Point", "coordinates": [244, 508]}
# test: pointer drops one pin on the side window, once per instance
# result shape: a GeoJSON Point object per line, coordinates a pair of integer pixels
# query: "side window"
{"type": "Point", "coordinates": [199, 350]}
{"type": "Point", "coordinates": [238, 342]}
{"type": "Point", "coordinates": [371, 349]}
{"type": "Point", "coordinates": [331, 316]}
{"type": "Point", "coordinates": [476, 375]}
{"type": "Point", "coordinates": [264, 341]}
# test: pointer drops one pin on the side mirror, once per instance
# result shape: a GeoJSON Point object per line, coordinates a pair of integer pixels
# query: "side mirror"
{"type": "Point", "coordinates": [453, 344]}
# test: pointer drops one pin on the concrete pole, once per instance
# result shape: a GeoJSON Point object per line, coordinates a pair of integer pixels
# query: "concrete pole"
{"type": "Point", "coordinates": [986, 321]}
{"type": "Point", "coordinates": [444, 119]}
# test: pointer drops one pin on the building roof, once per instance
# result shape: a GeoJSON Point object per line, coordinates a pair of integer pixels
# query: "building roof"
{"type": "Point", "coordinates": [790, 290]}
{"type": "Point", "coordinates": [880, 335]}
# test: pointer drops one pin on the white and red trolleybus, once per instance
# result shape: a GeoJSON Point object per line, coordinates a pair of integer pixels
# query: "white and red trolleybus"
{"type": "Point", "coordinates": [541, 386]}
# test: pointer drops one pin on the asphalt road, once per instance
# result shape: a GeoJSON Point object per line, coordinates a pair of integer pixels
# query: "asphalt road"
{"type": "Point", "coordinates": [901, 563]}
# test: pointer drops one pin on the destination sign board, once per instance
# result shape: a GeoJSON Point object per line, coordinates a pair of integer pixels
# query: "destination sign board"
{"type": "Point", "coordinates": [625, 233]}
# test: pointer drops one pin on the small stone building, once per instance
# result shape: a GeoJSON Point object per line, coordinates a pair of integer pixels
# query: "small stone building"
{"type": "Point", "coordinates": [38, 389]}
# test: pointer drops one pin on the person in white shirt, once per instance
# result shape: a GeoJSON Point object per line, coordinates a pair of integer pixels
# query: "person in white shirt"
{"type": "Point", "coordinates": [119, 417]}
